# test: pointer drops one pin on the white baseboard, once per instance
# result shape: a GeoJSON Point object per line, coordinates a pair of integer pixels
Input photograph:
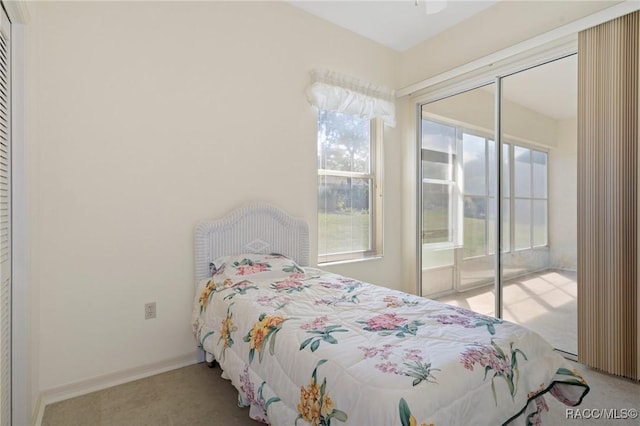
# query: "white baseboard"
{"type": "Point", "coordinates": [71, 390]}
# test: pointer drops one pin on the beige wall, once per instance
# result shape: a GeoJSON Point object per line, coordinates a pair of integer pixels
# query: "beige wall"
{"type": "Point", "coordinates": [144, 119]}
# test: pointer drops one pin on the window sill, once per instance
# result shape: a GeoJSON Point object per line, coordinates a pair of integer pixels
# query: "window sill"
{"type": "Point", "coordinates": [535, 248]}
{"type": "Point", "coordinates": [347, 261]}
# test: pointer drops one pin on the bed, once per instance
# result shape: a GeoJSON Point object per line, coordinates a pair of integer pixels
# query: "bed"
{"type": "Point", "coordinates": [305, 346]}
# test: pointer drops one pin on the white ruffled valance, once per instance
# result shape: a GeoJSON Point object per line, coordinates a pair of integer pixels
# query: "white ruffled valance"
{"type": "Point", "coordinates": [332, 91]}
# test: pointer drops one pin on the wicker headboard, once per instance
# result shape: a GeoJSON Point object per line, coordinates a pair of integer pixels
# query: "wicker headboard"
{"type": "Point", "coordinates": [254, 228]}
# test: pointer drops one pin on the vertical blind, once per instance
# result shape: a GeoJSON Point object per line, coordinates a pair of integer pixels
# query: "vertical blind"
{"type": "Point", "coordinates": [5, 224]}
{"type": "Point", "coordinates": [608, 69]}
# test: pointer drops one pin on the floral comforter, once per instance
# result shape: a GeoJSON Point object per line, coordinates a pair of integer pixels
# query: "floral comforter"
{"type": "Point", "coordinates": [303, 346]}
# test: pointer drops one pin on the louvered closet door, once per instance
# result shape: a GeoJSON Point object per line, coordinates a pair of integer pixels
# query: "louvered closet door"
{"type": "Point", "coordinates": [5, 224]}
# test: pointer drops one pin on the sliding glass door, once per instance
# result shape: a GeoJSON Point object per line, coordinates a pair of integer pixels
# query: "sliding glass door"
{"type": "Point", "coordinates": [458, 196]}
{"type": "Point", "coordinates": [538, 121]}
{"type": "Point", "coordinates": [461, 203]}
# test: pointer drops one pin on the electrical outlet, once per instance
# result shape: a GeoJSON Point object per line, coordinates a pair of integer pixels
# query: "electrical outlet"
{"type": "Point", "coordinates": [150, 310]}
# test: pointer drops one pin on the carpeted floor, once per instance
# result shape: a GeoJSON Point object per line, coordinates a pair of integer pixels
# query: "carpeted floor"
{"type": "Point", "coordinates": [190, 396]}
{"type": "Point", "coordinates": [197, 395]}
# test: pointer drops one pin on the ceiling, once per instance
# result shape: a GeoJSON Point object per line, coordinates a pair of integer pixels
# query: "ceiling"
{"type": "Point", "coordinates": [398, 24]}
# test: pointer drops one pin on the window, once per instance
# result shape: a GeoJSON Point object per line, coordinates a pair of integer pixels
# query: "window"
{"type": "Point", "coordinates": [530, 198]}
{"type": "Point", "coordinates": [476, 163]}
{"type": "Point", "coordinates": [458, 164]}
{"type": "Point", "coordinates": [479, 189]}
{"type": "Point", "coordinates": [349, 218]}
{"type": "Point", "coordinates": [438, 182]}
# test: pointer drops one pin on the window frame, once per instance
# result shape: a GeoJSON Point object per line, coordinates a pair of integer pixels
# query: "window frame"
{"type": "Point", "coordinates": [486, 196]}
{"type": "Point", "coordinates": [451, 183]}
{"type": "Point", "coordinates": [531, 198]}
{"type": "Point", "coordinates": [375, 176]}
{"type": "Point", "coordinates": [458, 183]}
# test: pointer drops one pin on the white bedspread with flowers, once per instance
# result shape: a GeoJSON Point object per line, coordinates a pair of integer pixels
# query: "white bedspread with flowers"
{"type": "Point", "coordinates": [303, 346]}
